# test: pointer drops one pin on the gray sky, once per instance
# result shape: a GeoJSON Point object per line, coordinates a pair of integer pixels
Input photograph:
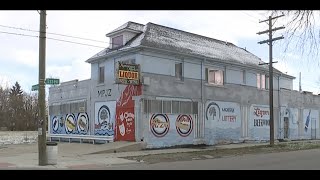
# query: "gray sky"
{"type": "Point", "coordinates": [66, 61]}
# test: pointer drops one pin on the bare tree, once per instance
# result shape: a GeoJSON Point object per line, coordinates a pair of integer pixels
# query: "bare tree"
{"type": "Point", "coordinates": [18, 110]}
{"type": "Point", "coordinates": [30, 111]}
{"type": "Point", "coordinates": [4, 107]}
{"type": "Point", "coordinates": [301, 31]}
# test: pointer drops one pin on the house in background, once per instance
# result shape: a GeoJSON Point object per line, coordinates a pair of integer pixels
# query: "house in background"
{"type": "Point", "coordinates": [168, 87]}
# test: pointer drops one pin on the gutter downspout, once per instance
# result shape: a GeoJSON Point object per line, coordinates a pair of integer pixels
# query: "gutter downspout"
{"type": "Point", "coordinates": [202, 115]}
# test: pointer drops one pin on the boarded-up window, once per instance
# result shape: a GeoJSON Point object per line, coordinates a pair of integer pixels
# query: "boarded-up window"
{"type": "Point", "coordinates": [156, 106]}
{"type": "Point", "coordinates": [195, 108]}
{"type": "Point", "coordinates": [101, 74]}
{"type": "Point", "coordinates": [117, 41]}
{"type": "Point", "coordinates": [175, 107]}
{"type": "Point", "coordinates": [145, 106]}
{"type": "Point", "coordinates": [74, 107]}
{"type": "Point", "coordinates": [185, 107]}
{"type": "Point", "coordinates": [65, 108]}
{"type": "Point", "coordinates": [170, 107]}
{"type": "Point", "coordinates": [82, 106]}
{"type": "Point", "coordinates": [166, 107]}
{"type": "Point", "coordinates": [54, 110]}
{"type": "Point", "coordinates": [178, 71]}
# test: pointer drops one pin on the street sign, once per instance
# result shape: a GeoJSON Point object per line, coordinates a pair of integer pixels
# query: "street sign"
{"type": "Point", "coordinates": [35, 87]}
{"type": "Point", "coordinates": [52, 81]}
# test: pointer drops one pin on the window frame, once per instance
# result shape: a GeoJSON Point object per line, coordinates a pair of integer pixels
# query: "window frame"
{"type": "Point", "coordinates": [263, 83]}
{"type": "Point", "coordinates": [181, 71]}
{"type": "Point", "coordinates": [100, 73]}
{"type": "Point", "coordinates": [114, 45]}
{"type": "Point", "coordinates": [215, 80]}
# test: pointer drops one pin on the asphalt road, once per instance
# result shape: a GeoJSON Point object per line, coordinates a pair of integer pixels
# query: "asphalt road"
{"type": "Point", "coordinates": [294, 160]}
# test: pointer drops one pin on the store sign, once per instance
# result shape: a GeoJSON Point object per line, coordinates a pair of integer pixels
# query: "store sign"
{"type": "Point", "coordinates": [128, 73]}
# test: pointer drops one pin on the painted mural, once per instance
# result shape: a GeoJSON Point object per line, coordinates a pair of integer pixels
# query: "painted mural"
{"type": "Point", "coordinates": [310, 123]}
{"type": "Point", "coordinates": [289, 126]}
{"type": "Point", "coordinates": [70, 124]}
{"type": "Point", "coordinates": [184, 125]}
{"type": "Point", "coordinates": [222, 122]}
{"type": "Point", "coordinates": [125, 118]}
{"type": "Point", "coordinates": [167, 130]}
{"type": "Point", "coordinates": [104, 118]}
{"type": "Point", "coordinates": [159, 125]}
{"type": "Point", "coordinates": [259, 127]}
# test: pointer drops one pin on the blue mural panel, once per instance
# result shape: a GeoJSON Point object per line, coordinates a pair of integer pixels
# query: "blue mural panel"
{"type": "Point", "coordinates": [104, 118]}
{"type": "Point", "coordinates": [77, 123]}
{"type": "Point", "coordinates": [222, 122]}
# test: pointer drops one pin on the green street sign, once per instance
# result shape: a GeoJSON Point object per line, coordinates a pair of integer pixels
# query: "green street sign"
{"type": "Point", "coordinates": [35, 87]}
{"type": "Point", "coordinates": [52, 81]}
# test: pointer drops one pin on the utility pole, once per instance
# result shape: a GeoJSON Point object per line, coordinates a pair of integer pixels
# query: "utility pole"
{"type": "Point", "coordinates": [300, 89]}
{"type": "Point", "coordinates": [42, 128]}
{"type": "Point", "coordinates": [269, 41]}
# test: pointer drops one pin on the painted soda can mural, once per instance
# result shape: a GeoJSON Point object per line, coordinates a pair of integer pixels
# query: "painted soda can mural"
{"type": "Point", "coordinates": [104, 118]}
{"type": "Point", "coordinates": [125, 118]}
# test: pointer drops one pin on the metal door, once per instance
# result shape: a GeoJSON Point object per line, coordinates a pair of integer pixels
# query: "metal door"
{"type": "Point", "coordinates": [286, 127]}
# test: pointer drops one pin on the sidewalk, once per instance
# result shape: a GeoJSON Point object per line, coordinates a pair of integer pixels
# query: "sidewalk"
{"type": "Point", "coordinates": [79, 156]}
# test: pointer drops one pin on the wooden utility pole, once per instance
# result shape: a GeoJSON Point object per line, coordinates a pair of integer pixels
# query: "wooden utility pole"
{"type": "Point", "coordinates": [269, 41]}
{"type": "Point", "coordinates": [42, 127]}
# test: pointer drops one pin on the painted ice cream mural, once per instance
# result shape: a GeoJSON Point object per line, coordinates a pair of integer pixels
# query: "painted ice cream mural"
{"type": "Point", "coordinates": [104, 118]}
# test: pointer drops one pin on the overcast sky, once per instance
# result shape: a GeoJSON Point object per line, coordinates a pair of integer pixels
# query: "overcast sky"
{"type": "Point", "coordinates": [66, 61]}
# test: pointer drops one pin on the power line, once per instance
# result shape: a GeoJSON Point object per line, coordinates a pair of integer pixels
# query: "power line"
{"type": "Point", "coordinates": [51, 39]}
{"type": "Point", "coordinates": [250, 15]}
{"type": "Point", "coordinates": [18, 34]}
{"type": "Point", "coordinates": [74, 42]}
{"type": "Point", "coordinates": [23, 29]}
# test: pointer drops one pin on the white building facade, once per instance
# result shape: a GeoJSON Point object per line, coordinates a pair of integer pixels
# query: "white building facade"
{"type": "Point", "coordinates": [183, 89]}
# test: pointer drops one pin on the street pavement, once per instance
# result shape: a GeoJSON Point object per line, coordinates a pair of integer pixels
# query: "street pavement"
{"type": "Point", "coordinates": [89, 156]}
{"type": "Point", "coordinates": [294, 160]}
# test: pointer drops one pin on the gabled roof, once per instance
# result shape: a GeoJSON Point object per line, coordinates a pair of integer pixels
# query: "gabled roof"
{"type": "Point", "coordinates": [174, 40]}
{"type": "Point", "coordinates": [129, 26]}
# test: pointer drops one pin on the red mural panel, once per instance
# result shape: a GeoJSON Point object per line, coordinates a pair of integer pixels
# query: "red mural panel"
{"type": "Point", "coordinates": [125, 128]}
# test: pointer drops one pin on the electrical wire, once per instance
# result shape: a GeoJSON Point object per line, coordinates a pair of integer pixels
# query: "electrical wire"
{"type": "Point", "coordinates": [58, 34]}
{"type": "Point", "coordinates": [52, 39]}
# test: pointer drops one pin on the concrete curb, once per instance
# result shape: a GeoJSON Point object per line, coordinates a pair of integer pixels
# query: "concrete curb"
{"type": "Point", "coordinates": [103, 160]}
